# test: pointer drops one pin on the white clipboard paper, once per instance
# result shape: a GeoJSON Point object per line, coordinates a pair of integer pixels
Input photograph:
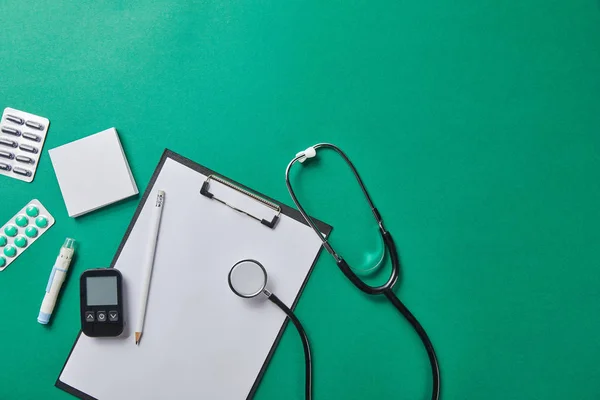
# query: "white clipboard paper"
{"type": "Point", "coordinates": [200, 340]}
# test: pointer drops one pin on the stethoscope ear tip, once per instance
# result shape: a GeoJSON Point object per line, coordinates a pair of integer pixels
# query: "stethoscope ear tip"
{"type": "Point", "coordinates": [306, 154]}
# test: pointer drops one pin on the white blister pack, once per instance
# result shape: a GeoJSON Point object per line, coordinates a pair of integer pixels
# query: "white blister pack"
{"type": "Point", "coordinates": [22, 230]}
{"type": "Point", "coordinates": [22, 136]}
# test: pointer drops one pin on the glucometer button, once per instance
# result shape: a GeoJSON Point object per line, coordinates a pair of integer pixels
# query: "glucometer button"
{"type": "Point", "coordinates": [101, 316]}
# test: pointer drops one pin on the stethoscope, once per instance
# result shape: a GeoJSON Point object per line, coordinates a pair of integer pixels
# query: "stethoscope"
{"type": "Point", "coordinates": [252, 271]}
{"type": "Point", "coordinates": [248, 279]}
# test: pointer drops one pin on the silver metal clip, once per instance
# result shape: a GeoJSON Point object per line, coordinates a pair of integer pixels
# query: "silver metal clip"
{"type": "Point", "coordinates": [275, 207]}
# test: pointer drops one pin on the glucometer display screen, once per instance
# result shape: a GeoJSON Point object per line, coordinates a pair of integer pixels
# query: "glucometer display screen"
{"type": "Point", "coordinates": [101, 290]}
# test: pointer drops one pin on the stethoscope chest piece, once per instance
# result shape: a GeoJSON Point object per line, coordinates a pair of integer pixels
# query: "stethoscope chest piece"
{"type": "Point", "coordinates": [247, 278]}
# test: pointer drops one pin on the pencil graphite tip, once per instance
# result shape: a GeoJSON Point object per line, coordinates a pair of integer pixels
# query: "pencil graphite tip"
{"type": "Point", "coordinates": [138, 336]}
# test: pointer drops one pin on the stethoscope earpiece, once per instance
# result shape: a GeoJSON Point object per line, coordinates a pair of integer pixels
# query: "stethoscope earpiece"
{"type": "Point", "coordinates": [306, 154]}
{"type": "Point", "coordinates": [351, 272]}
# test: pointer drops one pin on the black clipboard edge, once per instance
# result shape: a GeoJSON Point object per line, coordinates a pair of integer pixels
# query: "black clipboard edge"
{"type": "Point", "coordinates": [290, 212]}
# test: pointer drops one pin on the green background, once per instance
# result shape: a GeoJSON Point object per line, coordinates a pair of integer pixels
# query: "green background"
{"type": "Point", "coordinates": [475, 125]}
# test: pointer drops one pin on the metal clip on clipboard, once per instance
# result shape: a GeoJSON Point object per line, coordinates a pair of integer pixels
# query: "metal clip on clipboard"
{"type": "Point", "coordinates": [205, 192]}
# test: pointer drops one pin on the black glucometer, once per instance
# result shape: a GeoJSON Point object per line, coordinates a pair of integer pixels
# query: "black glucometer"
{"type": "Point", "coordinates": [101, 304]}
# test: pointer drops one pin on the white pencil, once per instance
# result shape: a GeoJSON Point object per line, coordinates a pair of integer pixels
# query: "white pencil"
{"type": "Point", "coordinates": [149, 262]}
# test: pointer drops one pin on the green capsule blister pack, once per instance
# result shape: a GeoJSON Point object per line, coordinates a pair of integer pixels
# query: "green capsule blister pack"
{"type": "Point", "coordinates": [19, 233]}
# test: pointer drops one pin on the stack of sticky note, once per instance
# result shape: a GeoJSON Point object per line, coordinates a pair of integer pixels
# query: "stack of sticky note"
{"type": "Point", "coordinates": [93, 172]}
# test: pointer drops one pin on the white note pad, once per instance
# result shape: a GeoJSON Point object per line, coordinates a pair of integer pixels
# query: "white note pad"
{"type": "Point", "coordinates": [200, 340]}
{"type": "Point", "coordinates": [93, 172]}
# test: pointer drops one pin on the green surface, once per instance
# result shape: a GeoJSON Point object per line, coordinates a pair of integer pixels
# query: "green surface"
{"type": "Point", "coordinates": [476, 126]}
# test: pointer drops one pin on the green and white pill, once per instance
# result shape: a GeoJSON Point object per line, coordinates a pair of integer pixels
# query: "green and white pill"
{"type": "Point", "coordinates": [32, 211]}
{"type": "Point", "coordinates": [31, 231]}
{"type": "Point", "coordinates": [41, 221]}
{"type": "Point", "coordinates": [2, 241]}
{"type": "Point", "coordinates": [10, 251]}
{"type": "Point", "coordinates": [21, 220]}
{"type": "Point", "coordinates": [21, 241]}
{"type": "Point", "coordinates": [2, 261]}
{"type": "Point", "coordinates": [10, 230]}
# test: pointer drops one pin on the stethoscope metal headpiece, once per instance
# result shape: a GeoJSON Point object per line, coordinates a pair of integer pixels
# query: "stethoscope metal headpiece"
{"type": "Point", "coordinates": [387, 288]}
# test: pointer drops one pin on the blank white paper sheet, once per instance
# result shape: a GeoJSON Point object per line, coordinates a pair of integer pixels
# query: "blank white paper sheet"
{"type": "Point", "coordinates": [93, 172]}
{"type": "Point", "coordinates": [200, 340]}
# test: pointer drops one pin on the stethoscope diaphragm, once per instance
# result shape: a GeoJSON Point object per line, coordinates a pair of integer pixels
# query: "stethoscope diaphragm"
{"type": "Point", "coordinates": [247, 278]}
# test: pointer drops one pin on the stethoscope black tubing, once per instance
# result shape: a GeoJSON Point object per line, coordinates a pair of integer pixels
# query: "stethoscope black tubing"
{"type": "Point", "coordinates": [387, 291]}
{"type": "Point", "coordinates": [435, 367]}
{"type": "Point", "coordinates": [305, 344]}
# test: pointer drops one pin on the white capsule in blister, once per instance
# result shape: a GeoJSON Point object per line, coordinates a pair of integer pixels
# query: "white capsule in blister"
{"type": "Point", "coordinates": [31, 136]}
{"type": "Point", "coordinates": [11, 131]}
{"type": "Point", "coordinates": [14, 119]}
{"type": "Point", "coordinates": [8, 142]}
{"type": "Point", "coordinates": [28, 148]}
{"type": "Point", "coordinates": [25, 159]}
{"type": "Point", "coordinates": [21, 171]}
{"type": "Point", "coordinates": [35, 125]}
{"type": "Point", "coordinates": [6, 154]}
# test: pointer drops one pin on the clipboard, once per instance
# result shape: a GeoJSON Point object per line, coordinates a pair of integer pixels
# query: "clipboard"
{"type": "Point", "coordinates": [280, 227]}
